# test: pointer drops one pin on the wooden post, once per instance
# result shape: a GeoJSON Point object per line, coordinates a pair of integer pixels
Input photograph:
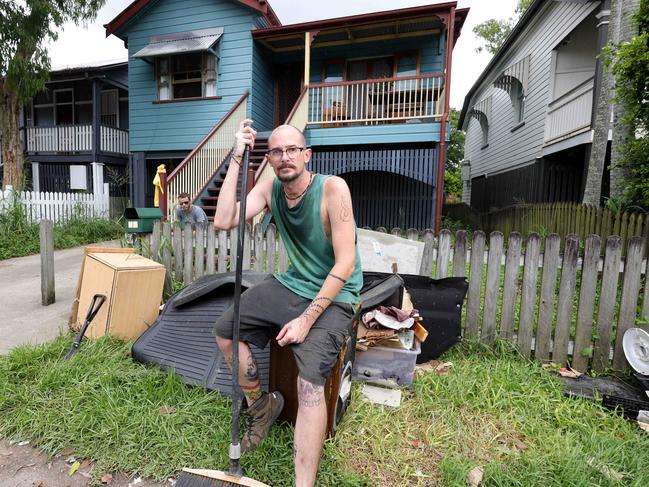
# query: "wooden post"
{"type": "Point", "coordinates": [48, 295]}
{"type": "Point", "coordinates": [307, 57]}
{"type": "Point", "coordinates": [164, 197]}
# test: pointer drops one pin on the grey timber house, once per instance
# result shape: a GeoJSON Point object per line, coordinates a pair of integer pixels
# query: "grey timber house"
{"type": "Point", "coordinates": [529, 116]}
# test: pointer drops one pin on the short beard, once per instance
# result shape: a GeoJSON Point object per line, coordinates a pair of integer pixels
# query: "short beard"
{"type": "Point", "coordinates": [289, 178]}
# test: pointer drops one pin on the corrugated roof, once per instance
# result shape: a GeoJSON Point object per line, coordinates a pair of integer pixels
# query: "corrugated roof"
{"type": "Point", "coordinates": [181, 42]}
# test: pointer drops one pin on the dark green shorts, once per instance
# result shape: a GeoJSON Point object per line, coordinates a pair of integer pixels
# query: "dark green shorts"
{"type": "Point", "coordinates": [268, 306]}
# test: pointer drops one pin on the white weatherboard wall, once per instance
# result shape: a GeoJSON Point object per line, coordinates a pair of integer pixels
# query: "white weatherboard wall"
{"type": "Point", "coordinates": [508, 150]}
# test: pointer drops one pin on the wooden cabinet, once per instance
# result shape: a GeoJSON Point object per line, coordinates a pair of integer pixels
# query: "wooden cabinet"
{"type": "Point", "coordinates": [133, 287]}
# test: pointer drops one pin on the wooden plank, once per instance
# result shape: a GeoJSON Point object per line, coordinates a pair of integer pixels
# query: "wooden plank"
{"type": "Point", "coordinates": [584, 331]}
{"type": "Point", "coordinates": [232, 248]}
{"type": "Point", "coordinates": [156, 237]}
{"type": "Point", "coordinates": [166, 257]}
{"type": "Point", "coordinates": [510, 285]}
{"type": "Point", "coordinates": [566, 300]}
{"type": "Point", "coordinates": [443, 254]}
{"type": "Point", "coordinates": [548, 296]}
{"type": "Point", "coordinates": [199, 258]}
{"type": "Point", "coordinates": [475, 285]}
{"type": "Point", "coordinates": [178, 252]}
{"type": "Point", "coordinates": [607, 299]}
{"type": "Point", "coordinates": [247, 239]}
{"type": "Point", "coordinates": [426, 268]}
{"type": "Point", "coordinates": [283, 257]}
{"type": "Point", "coordinates": [629, 301]}
{"type": "Point", "coordinates": [459, 254]}
{"type": "Point", "coordinates": [46, 233]}
{"type": "Point", "coordinates": [222, 260]}
{"type": "Point", "coordinates": [271, 253]}
{"type": "Point", "coordinates": [492, 286]}
{"type": "Point", "coordinates": [259, 248]}
{"type": "Point", "coordinates": [211, 250]}
{"type": "Point", "coordinates": [412, 234]}
{"type": "Point", "coordinates": [528, 294]}
{"type": "Point", "coordinates": [188, 254]}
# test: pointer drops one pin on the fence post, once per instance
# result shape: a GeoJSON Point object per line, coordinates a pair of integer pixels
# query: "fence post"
{"type": "Point", "coordinates": [48, 295]}
{"type": "Point", "coordinates": [629, 300]}
{"type": "Point", "coordinates": [528, 294]}
{"type": "Point", "coordinates": [510, 285]}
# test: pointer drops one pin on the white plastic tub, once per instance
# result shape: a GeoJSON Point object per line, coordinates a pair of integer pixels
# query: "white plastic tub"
{"type": "Point", "coordinates": [385, 363]}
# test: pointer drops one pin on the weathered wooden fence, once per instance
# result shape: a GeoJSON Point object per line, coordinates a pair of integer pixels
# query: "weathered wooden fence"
{"type": "Point", "coordinates": [560, 218]}
{"type": "Point", "coordinates": [58, 207]}
{"type": "Point", "coordinates": [572, 305]}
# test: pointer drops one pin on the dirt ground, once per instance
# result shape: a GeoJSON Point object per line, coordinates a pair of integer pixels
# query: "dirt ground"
{"type": "Point", "coordinates": [24, 466]}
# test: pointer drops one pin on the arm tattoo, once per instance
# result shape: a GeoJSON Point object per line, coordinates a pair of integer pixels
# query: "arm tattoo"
{"type": "Point", "coordinates": [314, 310]}
{"type": "Point", "coordinates": [339, 278]}
{"type": "Point", "coordinates": [345, 210]}
{"type": "Point", "coordinates": [325, 298]}
{"type": "Point", "coordinates": [251, 369]}
{"type": "Point", "coordinates": [309, 395]}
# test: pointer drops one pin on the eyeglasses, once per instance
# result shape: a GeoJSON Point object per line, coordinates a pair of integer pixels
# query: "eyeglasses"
{"type": "Point", "coordinates": [184, 203]}
{"type": "Point", "coordinates": [291, 152]}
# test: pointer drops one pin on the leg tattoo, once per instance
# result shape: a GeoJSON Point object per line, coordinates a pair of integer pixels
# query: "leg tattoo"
{"type": "Point", "coordinates": [251, 369]}
{"type": "Point", "coordinates": [309, 395]}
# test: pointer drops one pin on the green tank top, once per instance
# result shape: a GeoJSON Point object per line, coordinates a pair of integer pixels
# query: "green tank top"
{"type": "Point", "coordinates": [309, 250]}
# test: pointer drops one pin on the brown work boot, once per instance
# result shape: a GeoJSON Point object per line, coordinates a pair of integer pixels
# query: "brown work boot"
{"type": "Point", "coordinates": [259, 417]}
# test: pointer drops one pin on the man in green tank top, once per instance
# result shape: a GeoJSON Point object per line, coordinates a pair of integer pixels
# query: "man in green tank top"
{"type": "Point", "coordinates": [310, 306]}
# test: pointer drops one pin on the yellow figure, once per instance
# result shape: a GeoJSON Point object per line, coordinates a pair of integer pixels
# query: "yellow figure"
{"type": "Point", "coordinates": [158, 185]}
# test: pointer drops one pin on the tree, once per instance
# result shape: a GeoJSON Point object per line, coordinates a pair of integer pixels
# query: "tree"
{"type": "Point", "coordinates": [623, 125]}
{"type": "Point", "coordinates": [601, 125]}
{"type": "Point", "coordinates": [493, 32]}
{"type": "Point", "coordinates": [26, 26]}
{"type": "Point", "coordinates": [454, 156]}
{"type": "Point", "coordinates": [630, 146]}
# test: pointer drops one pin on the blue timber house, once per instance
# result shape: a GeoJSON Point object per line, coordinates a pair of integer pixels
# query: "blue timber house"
{"type": "Point", "coordinates": [370, 91]}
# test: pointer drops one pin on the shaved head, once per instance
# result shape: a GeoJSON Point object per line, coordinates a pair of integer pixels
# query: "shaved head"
{"type": "Point", "coordinates": [287, 130]}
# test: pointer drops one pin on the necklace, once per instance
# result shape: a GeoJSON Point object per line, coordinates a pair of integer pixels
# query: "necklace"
{"type": "Point", "coordinates": [293, 198]}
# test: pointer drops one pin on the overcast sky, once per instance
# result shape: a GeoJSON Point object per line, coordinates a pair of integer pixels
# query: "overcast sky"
{"type": "Point", "coordinates": [79, 45]}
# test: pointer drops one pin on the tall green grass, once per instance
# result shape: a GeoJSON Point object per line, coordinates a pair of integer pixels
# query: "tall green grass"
{"type": "Point", "coordinates": [493, 410]}
{"type": "Point", "coordinates": [20, 237]}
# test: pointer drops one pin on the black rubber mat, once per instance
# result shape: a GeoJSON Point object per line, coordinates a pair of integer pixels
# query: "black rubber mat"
{"type": "Point", "coordinates": [182, 339]}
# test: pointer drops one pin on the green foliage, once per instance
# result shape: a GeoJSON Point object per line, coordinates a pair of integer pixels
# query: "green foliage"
{"type": "Point", "coordinates": [19, 237]}
{"type": "Point", "coordinates": [493, 32]}
{"type": "Point", "coordinates": [454, 156]}
{"type": "Point", "coordinates": [630, 61]}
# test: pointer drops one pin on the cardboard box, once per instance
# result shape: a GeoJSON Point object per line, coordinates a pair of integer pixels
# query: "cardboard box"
{"type": "Point", "coordinates": [133, 287]}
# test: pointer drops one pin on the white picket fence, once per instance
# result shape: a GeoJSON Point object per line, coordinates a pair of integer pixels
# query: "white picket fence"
{"type": "Point", "coordinates": [58, 207]}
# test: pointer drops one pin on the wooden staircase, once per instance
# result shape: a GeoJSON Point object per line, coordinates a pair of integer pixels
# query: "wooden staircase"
{"type": "Point", "coordinates": [207, 200]}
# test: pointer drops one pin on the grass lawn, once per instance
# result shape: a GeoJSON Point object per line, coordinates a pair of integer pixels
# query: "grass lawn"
{"type": "Point", "coordinates": [493, 410]}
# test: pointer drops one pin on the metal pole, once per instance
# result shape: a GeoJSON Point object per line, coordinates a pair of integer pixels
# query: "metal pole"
{"type": "Point", "coordinates": [450, 34]}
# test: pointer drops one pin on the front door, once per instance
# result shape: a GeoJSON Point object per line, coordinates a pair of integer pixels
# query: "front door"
{"type": "Point", "coordinates": [365, 69]}
{"type": "Point", "coordinates": [289, 86]}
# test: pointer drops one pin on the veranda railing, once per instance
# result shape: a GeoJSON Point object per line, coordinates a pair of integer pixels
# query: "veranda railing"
{"type": "Point", "coordinates": [571, 305]}
{"type": "Point", "coordinates": [377, 101]}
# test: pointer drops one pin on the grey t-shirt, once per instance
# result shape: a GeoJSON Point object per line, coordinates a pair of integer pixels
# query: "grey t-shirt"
{"type": "Point", "coordinates": [194, 216]}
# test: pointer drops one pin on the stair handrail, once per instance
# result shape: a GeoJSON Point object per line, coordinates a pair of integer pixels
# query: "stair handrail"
{"type": "Point", "coordinates": [298, 118]}
{"type": "Point", "coordinates": [205, 160]}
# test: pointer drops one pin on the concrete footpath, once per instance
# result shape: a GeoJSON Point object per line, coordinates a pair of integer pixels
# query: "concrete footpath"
{"type": "Point", "coordinates": [23, 319]}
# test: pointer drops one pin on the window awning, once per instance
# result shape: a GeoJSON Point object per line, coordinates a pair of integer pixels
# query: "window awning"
{"type": "Point", "coordinates": [181, 43]}
{"type": "Point", "coordinates": [518, 71]}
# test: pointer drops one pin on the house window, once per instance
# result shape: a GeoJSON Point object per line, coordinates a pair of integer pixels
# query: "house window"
{"type": "Point", "coordinates": [64, 107]}
{"type": "Point", "coordinates": [110, 108]}
{"type": "Point", "coordinates": [190, 75]}
{"type": "Point", "coordinates": [518, 100]}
